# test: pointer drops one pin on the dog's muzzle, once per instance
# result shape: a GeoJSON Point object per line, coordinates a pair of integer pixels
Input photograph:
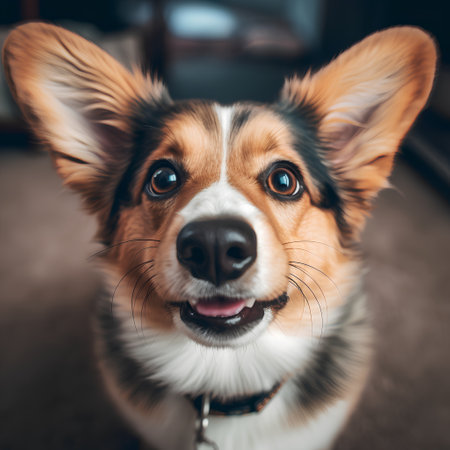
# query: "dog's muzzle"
{"type": "Point", "coordinates": [217, 250]}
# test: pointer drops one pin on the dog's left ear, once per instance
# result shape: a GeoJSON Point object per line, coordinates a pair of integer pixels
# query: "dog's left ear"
{"type": "Point", "coordinates": [365, 102]}
{"type": "Point", "coordinates": [79, 102]}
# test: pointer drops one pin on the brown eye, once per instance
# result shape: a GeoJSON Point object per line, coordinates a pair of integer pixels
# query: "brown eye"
{"type": "Point", "coordinates": [284, 183]}
{"type": "Point", "coordinates": [163, 181]}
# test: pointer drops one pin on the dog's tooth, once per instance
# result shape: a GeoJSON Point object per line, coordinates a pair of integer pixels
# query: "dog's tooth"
{"type": "Point", "coordinates": [250, 302]}
{"type": "Point", "coordinates": [193, 301]}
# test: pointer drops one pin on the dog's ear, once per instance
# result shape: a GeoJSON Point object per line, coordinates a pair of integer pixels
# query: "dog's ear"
{"type": "Point", "coordinates": [79, 101]}
{"type": "Point", "coordinates": [365, 101]}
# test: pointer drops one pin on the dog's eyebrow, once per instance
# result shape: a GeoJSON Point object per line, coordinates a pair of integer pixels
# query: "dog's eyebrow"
{"type": "Point", "coordinates": [174, 150]}
{"type": "Point", "coordinates": [201, 110]}
{"type": "Point", "coordinates": [240, 117]}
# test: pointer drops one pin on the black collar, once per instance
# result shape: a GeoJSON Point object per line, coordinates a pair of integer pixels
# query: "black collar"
{"type": "Point", "coordinates": [237, 406]}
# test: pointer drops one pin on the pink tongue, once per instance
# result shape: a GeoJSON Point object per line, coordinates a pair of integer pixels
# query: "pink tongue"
{"type": "Point", "coordinates": [218, 308]}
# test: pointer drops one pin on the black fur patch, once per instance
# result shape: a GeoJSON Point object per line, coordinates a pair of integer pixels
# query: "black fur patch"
{"type": "Point", "coordinates": [329, 371]}
{"type": "Point", "coordinates": [240, 118]}
{"type": "Point", "coordinates": [303, 124]}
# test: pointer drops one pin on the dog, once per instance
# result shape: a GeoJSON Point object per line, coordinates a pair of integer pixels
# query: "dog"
{"type": "Point", "coordinates": [234, 315]}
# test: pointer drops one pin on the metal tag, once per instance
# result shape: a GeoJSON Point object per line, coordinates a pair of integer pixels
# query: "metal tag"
{"type": "Point", "coordinates": [201, 441]}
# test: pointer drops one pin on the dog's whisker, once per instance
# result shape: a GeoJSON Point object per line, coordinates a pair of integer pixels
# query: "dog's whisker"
{"type": "Point", "coordinates": [318, 287]}
{"type": "Point", "coordinates": [313, 280]}
{"type": "Point", "coordinates": [124, 276]}
{"type": "Point", "coordinates": [313, 242]}
{"type": "Point", "coordinates": [296, 285]}
{"type": "Point", "coordinates": [138, 279]}
{"type": "Point", "coordinates": [148, 290]}
{"type": "Point", "coordinates": [315, 298]}
{"type": "Point", "coordinates": [133, 298]}
{"type": "Point", "coordinates": [143, 287]}
{"type": "Point", "coordinates": [308, 274]}
{"type": "Point", "coordinates": [303, 250]}
{"type": "Point", "coordinates": [109, 247]}
{"type": "Point", "coordinates": [145, 248]}
{"type": "Point", "coordinates": [145, 301]}
{"type": "Point", "coordinates": [320, 271]}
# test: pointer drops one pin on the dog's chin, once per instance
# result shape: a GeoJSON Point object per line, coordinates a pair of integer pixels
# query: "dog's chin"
{"type": "Point", "coordinates": [225, 321]}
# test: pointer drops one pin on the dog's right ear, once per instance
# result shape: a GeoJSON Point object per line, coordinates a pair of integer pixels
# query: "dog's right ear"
{"type": "Point", "coordinates": [78, 100]}
{"type": "Point", "coordinates": [364, 102]}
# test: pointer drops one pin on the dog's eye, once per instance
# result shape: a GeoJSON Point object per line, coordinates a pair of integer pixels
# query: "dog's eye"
{"type": "Point", "coordinates": [283, 182]}
{"type": "Point", "coordinates": [163, 181]}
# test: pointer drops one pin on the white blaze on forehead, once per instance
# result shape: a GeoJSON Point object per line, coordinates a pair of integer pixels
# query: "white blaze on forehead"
{"type": "Point", "coordinates": [219, 199]}
{"type": "Point", "coordinates": [224, 114]}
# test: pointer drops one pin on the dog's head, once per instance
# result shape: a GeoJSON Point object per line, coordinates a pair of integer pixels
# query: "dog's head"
{"type": "Point", "coordinates": [224, 220]}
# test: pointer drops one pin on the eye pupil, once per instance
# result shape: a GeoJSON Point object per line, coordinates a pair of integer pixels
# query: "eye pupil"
{"type": "Point", "coordinates": [164, 180]}
{"type": "Point", "coordinates": [284, 183]}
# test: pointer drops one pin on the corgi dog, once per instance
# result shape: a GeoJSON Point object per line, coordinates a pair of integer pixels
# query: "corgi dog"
{"type": "Point", "coordinates": [234, 315]}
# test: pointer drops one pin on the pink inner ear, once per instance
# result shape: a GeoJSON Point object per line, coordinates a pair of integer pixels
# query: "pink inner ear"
{"type": "Point", "coordinates": [339, 138]}
{"type": "Point", "coordinates": [339, 142]}
{"type": "Point", "coordinates": [108, 130]}
{"type": "Point", "coordinates": [353, 113]}
{"type": "Point", "coordinates": [351, 120]}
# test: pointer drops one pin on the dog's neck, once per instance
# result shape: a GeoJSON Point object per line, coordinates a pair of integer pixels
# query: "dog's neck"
{"type": "Point", "coordinates": [236, 406]}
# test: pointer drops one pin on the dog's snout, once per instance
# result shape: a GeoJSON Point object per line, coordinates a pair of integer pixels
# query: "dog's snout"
{"type": "Point", "coordinates": [217, 250]}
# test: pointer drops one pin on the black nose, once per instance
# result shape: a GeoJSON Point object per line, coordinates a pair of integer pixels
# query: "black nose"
{"type": "Point", "coordinates": [217, 250]}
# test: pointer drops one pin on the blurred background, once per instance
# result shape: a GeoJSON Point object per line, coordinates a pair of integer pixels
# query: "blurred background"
{"type": "Point", "coordinates": [227, 50]}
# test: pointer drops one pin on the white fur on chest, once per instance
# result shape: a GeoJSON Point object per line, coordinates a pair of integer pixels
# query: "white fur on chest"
{"type": "Point", "coordinates": [172, 426]}
{"type": "Point", "coordinates": [188, 368]}
{"type": "Point", "coordinates": [191, 368]}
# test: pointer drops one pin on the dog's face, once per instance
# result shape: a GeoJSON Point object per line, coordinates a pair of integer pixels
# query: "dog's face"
{"type": "Point", "coordinates": [223, 221]}
{"type": "Point", "coordinates": [232, 207]}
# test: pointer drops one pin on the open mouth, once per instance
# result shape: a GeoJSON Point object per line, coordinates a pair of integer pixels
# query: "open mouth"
{"type": "Point", "coordinates": [226, 316]}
